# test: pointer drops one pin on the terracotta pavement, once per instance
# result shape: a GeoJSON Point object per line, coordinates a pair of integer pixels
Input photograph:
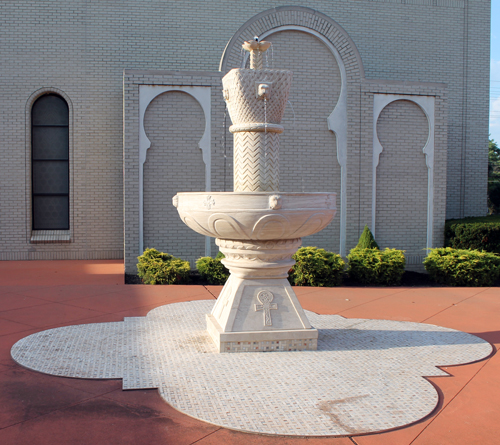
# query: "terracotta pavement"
{"type": "Point", "coordinates": [39, 409]}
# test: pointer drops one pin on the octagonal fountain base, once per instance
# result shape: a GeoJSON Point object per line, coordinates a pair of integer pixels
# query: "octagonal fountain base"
{"type": "Point", "coordinates": [260, 315]}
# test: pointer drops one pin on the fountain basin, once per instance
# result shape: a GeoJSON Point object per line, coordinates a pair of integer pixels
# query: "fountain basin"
{"type": "Point", "coordinates": [256, 215]}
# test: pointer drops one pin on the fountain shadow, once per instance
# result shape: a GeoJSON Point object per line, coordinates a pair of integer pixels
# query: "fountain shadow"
{"type": "Point", "coordinates": [377, 339]}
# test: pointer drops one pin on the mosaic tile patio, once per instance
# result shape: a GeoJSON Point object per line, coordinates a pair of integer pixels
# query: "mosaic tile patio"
{"type": "Point", "coordinates": [366, 376]}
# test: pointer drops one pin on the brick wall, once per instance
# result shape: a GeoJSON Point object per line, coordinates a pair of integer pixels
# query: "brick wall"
{"type": "Point", "coordinates": [80, 49]}
{"type": "Point", "coordinates": [308, 152]}
{"type": "Point", "coordinates": [174, 123]}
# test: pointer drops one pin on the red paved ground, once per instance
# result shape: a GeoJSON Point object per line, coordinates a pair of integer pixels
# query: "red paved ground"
{"type": "Point", "coordinates": [41, 409]}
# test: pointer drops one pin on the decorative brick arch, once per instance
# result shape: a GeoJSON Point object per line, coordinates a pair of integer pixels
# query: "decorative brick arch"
{"type": "Point", "coordinates": [295, 16]}
{"type": "Point", "coordinates": [147, 93]}
{"type": "Point", "coordinates": [343, 49]}
{"type": "Point", "coordinates": [427, 106]}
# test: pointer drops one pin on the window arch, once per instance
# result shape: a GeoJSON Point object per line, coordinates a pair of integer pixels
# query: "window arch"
{"type": "Point", "coordinates": [50, 163]}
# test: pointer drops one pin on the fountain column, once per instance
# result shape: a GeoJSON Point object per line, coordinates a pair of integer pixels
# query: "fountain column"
{"type": "Point", "coordinates": [256, 120]}
{"type": "Point", "coordinates": [257, 227]}
{"type": "Point", "coordinates": [257, 308]}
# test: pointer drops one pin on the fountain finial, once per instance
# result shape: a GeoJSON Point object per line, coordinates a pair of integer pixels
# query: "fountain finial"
{"type": "Point", "coordinates": [256, 47]}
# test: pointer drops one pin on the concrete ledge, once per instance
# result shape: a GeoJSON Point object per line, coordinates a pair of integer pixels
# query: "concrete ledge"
{"type": "Point", "coordinates": [50, 236]}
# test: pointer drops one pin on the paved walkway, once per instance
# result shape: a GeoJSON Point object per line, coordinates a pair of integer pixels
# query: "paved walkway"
{"type": "Point", "coordinates": [41, 409]}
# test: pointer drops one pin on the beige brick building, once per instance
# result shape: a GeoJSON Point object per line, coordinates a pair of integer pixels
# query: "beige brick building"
{"type": "Point", "coordinates": [388, 108]}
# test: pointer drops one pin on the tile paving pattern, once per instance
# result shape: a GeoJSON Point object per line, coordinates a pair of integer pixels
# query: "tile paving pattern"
{"type": "Point", "coordinates": [366, 375]}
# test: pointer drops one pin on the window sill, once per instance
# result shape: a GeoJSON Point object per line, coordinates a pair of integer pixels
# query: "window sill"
{"type": "Point", "coordinates": [50, 236]}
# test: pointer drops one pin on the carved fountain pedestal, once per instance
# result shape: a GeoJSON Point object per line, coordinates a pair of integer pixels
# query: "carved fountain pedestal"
{"type": "Point", "coordinates": [258, 228]}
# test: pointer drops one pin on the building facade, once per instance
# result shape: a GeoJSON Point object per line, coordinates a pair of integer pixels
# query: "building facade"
{"type": "Point", "coordinates": [388, 108]}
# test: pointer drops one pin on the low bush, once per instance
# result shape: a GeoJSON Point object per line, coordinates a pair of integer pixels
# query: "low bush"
{"type": "Point", "coordinates": [458, 267]}
{"type": "Point", "coordinates": [162, 268]}
{"type": "Point", "coordinates": [212, 269]}
{"type": "Point", "coordinates": [474, 233]}
{"type": "Point", "coordinates": [316, 267]}
{"type": "Point", "coordinates": [374, 266]}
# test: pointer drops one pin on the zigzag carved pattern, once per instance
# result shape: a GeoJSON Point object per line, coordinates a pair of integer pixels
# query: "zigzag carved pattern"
{"type": "Point", "coordinates": [254, 169]}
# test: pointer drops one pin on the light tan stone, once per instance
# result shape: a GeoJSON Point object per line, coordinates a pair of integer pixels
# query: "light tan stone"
{"type": "Point", "coordinates": [258, 229]}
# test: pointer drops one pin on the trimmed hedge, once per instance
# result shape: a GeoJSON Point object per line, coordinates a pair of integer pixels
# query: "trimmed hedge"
{"type": "Point", "coordinates": [316, 267]}
{"type": "Point", "coordinates": [366, 240]}
{"type": "Point", "coordinates": [212, 269]}
{"type": "Point", "coordinates": [374, 266]}
{"type": "Point", "coordinates": [468, 234]}
{"type": "Point", "coordinates": [457, 267]}
{"type": "Point", "coordinates": [162, 268]}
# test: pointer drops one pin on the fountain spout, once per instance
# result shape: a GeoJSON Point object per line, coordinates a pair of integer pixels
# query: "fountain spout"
{"type": "Point", "coordinates": [256, 48]}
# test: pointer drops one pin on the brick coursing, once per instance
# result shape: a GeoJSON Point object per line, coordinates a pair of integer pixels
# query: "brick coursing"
{"type": "Point", "coordinates": [80, 49]}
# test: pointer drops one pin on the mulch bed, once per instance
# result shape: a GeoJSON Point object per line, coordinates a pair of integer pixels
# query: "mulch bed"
{"type": "Point", "coordinates": [410, 279]}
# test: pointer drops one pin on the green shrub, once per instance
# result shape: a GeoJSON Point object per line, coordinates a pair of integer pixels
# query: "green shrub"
{"type": "Point", "coordinates": [457, 267]}
{"type": "Point", "coordinates": [316, 267]}
{"type": "Point", "coordinates": [162, 268]}
{"type": "Point", "coordinates": [212, 269]}
{"type": "Point", "coordinates": [468, 234]}
{"type": "Point", "coordinates": [374, 266]}
{"type": "Point", "coordinates": [366, 240]}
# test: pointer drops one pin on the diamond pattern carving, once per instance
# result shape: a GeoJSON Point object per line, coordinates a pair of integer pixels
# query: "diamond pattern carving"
{"type": "Point", "coordinates": [240, 86]}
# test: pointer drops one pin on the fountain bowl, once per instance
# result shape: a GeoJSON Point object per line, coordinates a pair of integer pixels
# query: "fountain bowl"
{"type": "Point", "coordinates": [256, 215]}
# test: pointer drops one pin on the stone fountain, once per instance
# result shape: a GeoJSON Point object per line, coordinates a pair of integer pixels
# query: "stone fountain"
{"type": "Point", "coordinates": [257, 227]}
{"type": "Point", "coordinates": [367, 375]}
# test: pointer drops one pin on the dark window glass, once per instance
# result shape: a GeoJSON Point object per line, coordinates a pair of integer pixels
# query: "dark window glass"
{"type": "Point", "coordinates": [50, 143]}
{"type": "Point", "coordinates": [50, 177]}
{"type": "Point", "coordinates": [50, 163]}
{"type": "Point", "coordinates": [51, 212]}
{"type": "Point", "coordinates": [50, 110]}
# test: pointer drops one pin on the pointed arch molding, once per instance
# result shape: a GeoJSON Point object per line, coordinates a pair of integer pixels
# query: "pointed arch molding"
{"type": "Point", "coordinates": [336, 39]}
{"type": "Point", "coordinates": [427, 105]}
{"type": "Point", "coordinates": [147, 93]}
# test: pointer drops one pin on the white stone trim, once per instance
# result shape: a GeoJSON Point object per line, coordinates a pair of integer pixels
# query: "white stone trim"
{"type": "Point", "coordinates": [146, 95]}
{"type": "Point", "coordinates": [427, 104]}
{"type": "Point", "coordinates": [337, 122]}
{"type": "Point", "coordinates": [50, 236]}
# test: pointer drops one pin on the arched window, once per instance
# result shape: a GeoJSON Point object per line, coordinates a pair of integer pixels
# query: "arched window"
{"type": "Point", "coordinates": [50, 163]}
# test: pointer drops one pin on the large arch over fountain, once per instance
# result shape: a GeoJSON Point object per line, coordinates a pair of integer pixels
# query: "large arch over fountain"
{"type": "Point", "coordinates": [348, 59]}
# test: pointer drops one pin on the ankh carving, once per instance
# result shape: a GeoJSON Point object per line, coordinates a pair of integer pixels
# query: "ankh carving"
{"type": "Point", "coordinates": [265, 297]}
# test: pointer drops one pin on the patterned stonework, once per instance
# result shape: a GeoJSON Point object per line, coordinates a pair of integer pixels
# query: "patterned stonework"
{"type": "Point", "coordinates": [244, 106]}
{"type": "Point", "coordinates": [366, 375]}
{"type": "Point", "coordinates": [256, 101]}
{"type": "Point", "coordinates": [270, 346]}
{"type": "Point", "coordinates": [256, 162]}
{"type": "Point", "coordinates": [208, 202]}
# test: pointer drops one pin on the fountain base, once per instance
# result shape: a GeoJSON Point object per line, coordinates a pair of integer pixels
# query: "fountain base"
{"type": "Point", "coordinates": [261, 341]}
{"type": "Point", "coordinates": [260, 316]}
